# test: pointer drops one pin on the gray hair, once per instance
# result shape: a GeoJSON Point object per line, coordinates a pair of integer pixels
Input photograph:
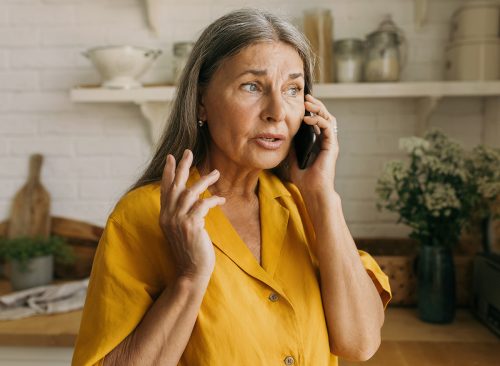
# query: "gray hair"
{"type": "Point", "coordinates": [222, 39]}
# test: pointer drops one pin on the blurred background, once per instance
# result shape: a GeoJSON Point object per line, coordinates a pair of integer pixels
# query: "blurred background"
{"type": "Point", "coordinates": [85, 88]}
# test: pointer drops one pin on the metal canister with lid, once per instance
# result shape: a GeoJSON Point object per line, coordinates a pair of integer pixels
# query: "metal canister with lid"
{"type": "Point", "coordinates": [349, 60]}
{"type": "Point", "coordinates": [182, 50]}
{"type": "Point", "coordinates": [386, 51]}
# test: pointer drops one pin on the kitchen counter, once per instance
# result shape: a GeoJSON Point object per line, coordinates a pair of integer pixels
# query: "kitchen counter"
{"type": "Point", "coordinates": [402, 332]}
{"type": "Point", "coordinates": [54, 330]}
{"type": "Point", "coordinates": [406, 340]}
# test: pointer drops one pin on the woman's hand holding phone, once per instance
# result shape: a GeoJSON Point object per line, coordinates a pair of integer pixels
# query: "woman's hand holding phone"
{"type": "Point", "coordinates": [313, 166]}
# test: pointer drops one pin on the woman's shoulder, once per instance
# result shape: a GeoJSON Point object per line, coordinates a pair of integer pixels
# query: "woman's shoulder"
{"type": "Point", "coordinates": [142, 203]}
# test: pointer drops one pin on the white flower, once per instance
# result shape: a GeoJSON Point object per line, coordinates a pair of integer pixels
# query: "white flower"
{"type": "Point", "coordinates": [440, 197]}
{"type": "Point", "coordinates": [394, 170]}
{"type": "Point", "coordinates": [489, 190]}
{"type": "Point", "coordinates": [414, 145]}
{"type": "Point", "coordinates": [439, 180]}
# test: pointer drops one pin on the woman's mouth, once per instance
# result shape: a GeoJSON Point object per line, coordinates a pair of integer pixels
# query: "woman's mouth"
{"type": "Point", "coordinates": [270, 141]}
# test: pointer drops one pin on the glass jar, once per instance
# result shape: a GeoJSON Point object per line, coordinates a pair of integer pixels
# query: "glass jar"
{"type": "Point", "coordinates": [182, 50]}
{"type": "Point", "coordinates": [349, 57]}
{"type": "Point", "coordinates": [385, 53]}
{"type": "Point", "coordinates": [318, 28]}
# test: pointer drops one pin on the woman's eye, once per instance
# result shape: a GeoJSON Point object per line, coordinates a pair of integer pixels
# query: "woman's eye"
{"type": "Point", "coordinates": [293, 91]}
{"type": "Point", "coordinates": [251, 87]}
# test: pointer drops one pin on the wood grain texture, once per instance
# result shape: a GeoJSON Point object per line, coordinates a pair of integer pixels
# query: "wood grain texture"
{"type": "Point", "coordinates": [30, 212]}
{"type": "Point", "coordinates": [76, 230]}
{"type": "Point", "coordinates": [403, 324]}
{"type": "Point", "coordinates": [429, 353]}
{"type": "Point", "coordinates": [408, 341]}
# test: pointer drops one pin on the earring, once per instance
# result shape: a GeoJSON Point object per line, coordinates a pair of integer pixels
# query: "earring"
{"type": "Point", "coordinates": [200, 123]}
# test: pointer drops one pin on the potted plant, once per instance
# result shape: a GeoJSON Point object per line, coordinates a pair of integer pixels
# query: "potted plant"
{"type": "Point", "coordinates": [432, 194]}
{"type": "Point", "coordinates": [31, 260]}
{"type": "Point", "coordinates": [483, 165]}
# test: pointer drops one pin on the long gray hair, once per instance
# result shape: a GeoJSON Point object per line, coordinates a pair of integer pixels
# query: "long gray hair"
{"type": "Point", "coordinates": [222, 39]}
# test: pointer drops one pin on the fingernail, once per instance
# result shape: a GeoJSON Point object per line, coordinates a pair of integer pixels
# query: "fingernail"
{"type": "Point", "coordinates": [185, 153]}
{"type": "Point", "coordinates": [213, 172]}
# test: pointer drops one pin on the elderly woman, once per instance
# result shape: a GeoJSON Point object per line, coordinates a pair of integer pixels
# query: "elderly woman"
{"type": "Point", "coordinates": [225, 252]}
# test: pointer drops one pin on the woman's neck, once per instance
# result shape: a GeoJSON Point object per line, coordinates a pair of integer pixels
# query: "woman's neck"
{"type": "Point", "coordinates": [234, 181]}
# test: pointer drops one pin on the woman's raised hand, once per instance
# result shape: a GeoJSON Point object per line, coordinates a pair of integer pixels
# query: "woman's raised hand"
{"type": "Point", "coordinates": [182, 218]}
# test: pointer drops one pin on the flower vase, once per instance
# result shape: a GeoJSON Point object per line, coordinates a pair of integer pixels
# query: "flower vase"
{"type": "Point", "coordinates": [436, 284]}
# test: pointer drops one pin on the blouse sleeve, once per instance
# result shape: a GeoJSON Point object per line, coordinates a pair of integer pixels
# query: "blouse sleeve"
{"type": "Point", "coordinates": [118, 296]}
{"type": "Point", "coordinates": [379, 278]}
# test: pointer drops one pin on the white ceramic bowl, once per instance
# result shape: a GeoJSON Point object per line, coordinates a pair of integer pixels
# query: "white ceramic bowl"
{"type": "Point", "coordinates": [121, 66]}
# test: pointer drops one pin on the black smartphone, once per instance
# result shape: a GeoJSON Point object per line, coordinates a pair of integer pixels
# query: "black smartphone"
{"type": "Point", "coordinates": [307, 144]}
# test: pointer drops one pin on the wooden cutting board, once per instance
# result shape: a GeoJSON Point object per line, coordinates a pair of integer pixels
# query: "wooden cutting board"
{"type": "Point", "coordinates": [30, 212]}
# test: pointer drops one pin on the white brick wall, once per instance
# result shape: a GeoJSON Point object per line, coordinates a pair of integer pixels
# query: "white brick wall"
{"type": "Point", "coordinates": [95, 151]}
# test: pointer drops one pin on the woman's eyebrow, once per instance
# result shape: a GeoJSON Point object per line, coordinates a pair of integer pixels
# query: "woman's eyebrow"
{"type": "Point", "coordinates": [264, 72]}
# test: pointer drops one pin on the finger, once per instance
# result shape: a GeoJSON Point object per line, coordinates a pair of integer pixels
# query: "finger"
{"type": "Point", "coordinates": [324, 125]}
{"type": "Point", "coordinates": [321, 121]}
{"type": "Point", "coordinates": [314, 100]}
{"type": "Point", "coordinates": [318, 121]}
{"type": "Point", "coordinates": [167, 177]}
{"type": "Point", "coordinates": [168, 171]}
{"type": "Point", "coordinates": [201, 207]}
{"type": "Point", "coordinates": [190, 195]}
{"type": "Point", "coordinates": [318, 110]}
{"type": "Point", "coordinates": [182, 172]}
{"type": "Point", "coordinates": [179, 181]}
{"type": "Point", "coordinates": [317, 130]}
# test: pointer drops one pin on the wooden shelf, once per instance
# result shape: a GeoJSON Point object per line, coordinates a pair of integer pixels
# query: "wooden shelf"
{"type": "Point", "coordinates": [154, 100]}
{"type": "Point", "coordinates": [86, 94]}
{"type": "Point", "coordinates": [417, 89]}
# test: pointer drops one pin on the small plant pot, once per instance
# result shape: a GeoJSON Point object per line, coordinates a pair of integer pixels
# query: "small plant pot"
{"type": "Point", "coordinates": [39, 271]}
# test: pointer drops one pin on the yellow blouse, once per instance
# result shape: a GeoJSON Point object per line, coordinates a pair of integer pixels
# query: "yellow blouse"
{"type": "Point", "coordinates": [250, 314]}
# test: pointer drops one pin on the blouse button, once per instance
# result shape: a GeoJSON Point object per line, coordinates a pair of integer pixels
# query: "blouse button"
{"type": "Point", "coordinates": [273, 297]}
{"type": "Point", "coordinates": [289, 360]}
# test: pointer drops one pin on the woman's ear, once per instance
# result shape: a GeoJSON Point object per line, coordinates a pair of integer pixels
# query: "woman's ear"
{"type": "Point", "coordinates": [202, 114]}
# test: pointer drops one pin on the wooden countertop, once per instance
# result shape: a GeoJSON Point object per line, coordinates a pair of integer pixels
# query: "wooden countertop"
{"type": "Point", "coordinates": [54, 330]}
{"type": "Point", "coordinates": [401, 325]}
{"type": "Point", "coordinates": [410, 342]}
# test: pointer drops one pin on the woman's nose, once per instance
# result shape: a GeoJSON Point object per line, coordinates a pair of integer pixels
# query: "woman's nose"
{"type": "Point", "coordinates": [275, 107]}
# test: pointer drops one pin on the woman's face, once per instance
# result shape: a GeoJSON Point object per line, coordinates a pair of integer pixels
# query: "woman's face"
{"type": "Point", "coordinates": [254, 104]}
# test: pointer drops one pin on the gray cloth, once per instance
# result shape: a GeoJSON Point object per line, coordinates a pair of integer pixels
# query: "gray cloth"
{"type": "Point", "coordinates": [48, 299]}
